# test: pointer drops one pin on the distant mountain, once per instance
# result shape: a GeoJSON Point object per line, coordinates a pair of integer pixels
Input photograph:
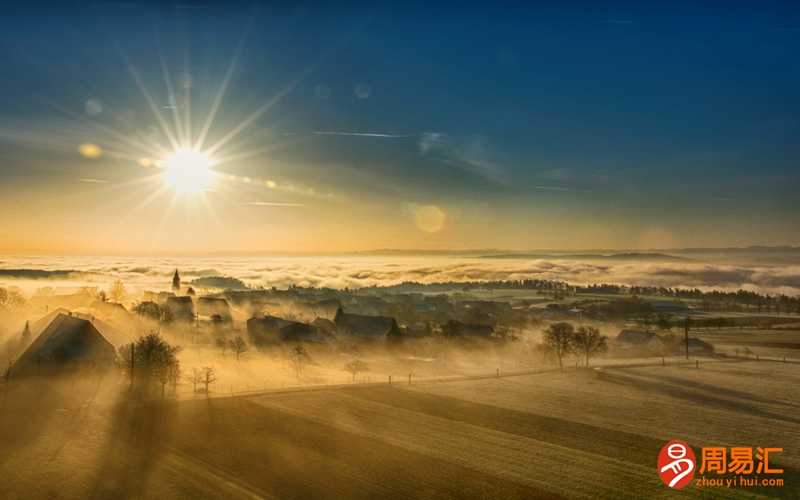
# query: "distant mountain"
{"type": "Point", "coordinates": [639, 256]}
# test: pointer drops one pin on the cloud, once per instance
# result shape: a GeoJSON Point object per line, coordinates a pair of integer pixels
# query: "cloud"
{"type": "Point", "coordinates": [471, 155]}
{"type": "Point", "coordinates": [360, 271]}
{"type": "Point", "coordinates": [94, 181]}
{"type": "Point", "coordinates": [363, 134]}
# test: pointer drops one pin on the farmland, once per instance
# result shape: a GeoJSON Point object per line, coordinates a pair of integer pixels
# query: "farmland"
{"type": "Point", "coordinates": [577, 434]}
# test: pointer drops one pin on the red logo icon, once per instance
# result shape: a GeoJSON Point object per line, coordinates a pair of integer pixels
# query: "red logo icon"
{"type": "Point", "coordinates": [676, 464]}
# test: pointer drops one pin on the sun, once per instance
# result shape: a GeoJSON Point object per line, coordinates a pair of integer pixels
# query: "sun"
{"type": "Point", "coordinates": [188, 170]}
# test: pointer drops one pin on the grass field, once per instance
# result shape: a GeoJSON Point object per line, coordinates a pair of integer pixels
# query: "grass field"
{"type": "Point", "coordinates": [578, 434]}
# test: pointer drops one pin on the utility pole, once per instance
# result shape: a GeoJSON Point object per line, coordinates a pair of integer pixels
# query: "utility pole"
{"type": "Point", "coordinates": [133, 360]}
{"type": "Point", "coordinates": [686, 335]}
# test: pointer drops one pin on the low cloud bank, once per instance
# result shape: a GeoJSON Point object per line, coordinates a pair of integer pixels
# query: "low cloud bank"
{"type": "Point", "coordinates": [354, 272]}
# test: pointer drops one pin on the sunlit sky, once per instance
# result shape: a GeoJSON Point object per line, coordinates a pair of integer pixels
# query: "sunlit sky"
{"type": "Point", "coordinates": [357, 126]}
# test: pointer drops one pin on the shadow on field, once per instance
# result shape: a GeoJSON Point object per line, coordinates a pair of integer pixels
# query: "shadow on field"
{"type": "Point", "coordinates": [607, 442]}
{"type": "Point", "coordinates": [655, 385]}
{"type": "Point", "coordinates": [139, 435]}
{"type": "Point", "coordinates": [722, 391]}
{"type": "Point", "coordinates": [31, 409]}
{"type": "Point", "coordinates": [292, 457]}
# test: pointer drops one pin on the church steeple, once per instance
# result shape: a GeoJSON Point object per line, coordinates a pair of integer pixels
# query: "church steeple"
{"type": "Point", "coordinates": [176, 281]}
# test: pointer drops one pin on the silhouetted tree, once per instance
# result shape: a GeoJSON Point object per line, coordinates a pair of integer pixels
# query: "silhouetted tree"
{"type": "Point", "coordinates": [558, 339]}
{"type": "Point", "coordinates": [238, 346]}
{"type": "Point", "coordinates": [209, 376]}
{"type": "Point", "coordinates": [196, 377]}
{"type": "Point", "coordinates": [176, 281]}
{"type": "Point", "coordinates": [355, 367]}
{"type": "Point", "coordinates": [151, 358]}
{"type": "Point", "coordinates": [298, 359]}
{"type": "Point", "coordinates": [587, 341]}
{"type": "Point", "coordinates": [117, 292]}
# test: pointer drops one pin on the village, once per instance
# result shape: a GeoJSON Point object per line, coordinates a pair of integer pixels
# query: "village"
{"type": "Point", "coordinates": [90, 328]}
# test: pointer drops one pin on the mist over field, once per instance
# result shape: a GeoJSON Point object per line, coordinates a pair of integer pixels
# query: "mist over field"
{"type": "Point", "coordinates": [720, 270]}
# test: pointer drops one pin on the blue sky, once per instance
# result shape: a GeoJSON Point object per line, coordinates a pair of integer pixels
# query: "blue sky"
{"type": "Point", "coordinates": [529, 125]}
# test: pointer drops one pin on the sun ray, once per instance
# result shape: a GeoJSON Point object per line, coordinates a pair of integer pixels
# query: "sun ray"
{"type": "Point", "coordinates": [223, 89]}
{"type": "Point", "coordinates": [151, 103]}
{"type": "Point", "coordinates": [182, 138]}
{"type": "Point", "coordinates": [258, 113]}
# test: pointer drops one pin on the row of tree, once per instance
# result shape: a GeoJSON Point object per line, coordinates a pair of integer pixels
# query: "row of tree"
{"type": "Point", "coordinates": [562, 339]}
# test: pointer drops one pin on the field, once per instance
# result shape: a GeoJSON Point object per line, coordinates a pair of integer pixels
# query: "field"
{"type": "Point", "coordinates": [578, 434]}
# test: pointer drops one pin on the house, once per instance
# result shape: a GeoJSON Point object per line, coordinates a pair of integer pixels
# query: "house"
{"type": "Point", "coordinates": [265, 331]}
{"type": "Point", "coordinates": [299, 332]}
{"type": "Point", "coordinates": [109, 309]}
{"type": "Point", "coordinates": [214, 307]}
{"type": "Point", "coordinates": [638, 339]}
{"type": "Point", "coordinates": [309, 311]}
{"type": "Point", "coordinates": [324, 326]}
{"type": "Point", "coordinates": [271, 330]}
{"type": "Point", "coordinates": [66, 344]}
{"type": "Point", "coordinates": [365, 327]}
{"type": "Point", "coordinates": [181, 308]}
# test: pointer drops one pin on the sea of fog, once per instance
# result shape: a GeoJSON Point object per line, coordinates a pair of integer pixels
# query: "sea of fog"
{"type": "Point", "coordinates": [139, 273]}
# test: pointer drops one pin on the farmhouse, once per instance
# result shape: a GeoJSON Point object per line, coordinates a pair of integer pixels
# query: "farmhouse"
{"type": "Point", "coordinates": [181, 308]}
{"type": "Point", "coordinates": [271, 330]}
{"type": "Point", "coordinates": [67, 343]}
{"type": "Point", "coordinates": [214, 307]}
{"type": "Point", "coordinates": [365, 327]}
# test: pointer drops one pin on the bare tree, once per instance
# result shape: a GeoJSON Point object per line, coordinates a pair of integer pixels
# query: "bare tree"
{"type": "Point", "coordinates": [208, 377]}
{"type": "Point", "coordinates": [221, 343]}
{"type": "Point", "coordinates": [355, 367]}
{"type": "Point", "coordinates": [195, 378]}
{"type": "Point", "coordinates": [238, 346]}
{"type": "Point", "coordinates": [558, 339]}
{"type": "Point", "coordinates": [299, 358]}
{"type": "Point", "coordinates": [117, 293]}
{"type": "Point", "coordinates": [587, 341]}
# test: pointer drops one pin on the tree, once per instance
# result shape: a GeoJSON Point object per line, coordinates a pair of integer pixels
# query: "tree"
{"type": "Point", "coordinates": [209, 376]}
{"type": "Point", "coordinates": [150, 310]}
{"type": "Point", "coordinates": [190, 292]}
{"type": "Point", "coordinates": [151, 358]}
{"type": "Point", "coordinates": [176, 281]}
{"type": "Point", "coordinates": [355, 367]}
{"type": "Point", "coordinates": [11, 299]}
{"type": "Point", "coordinates": [558, 339]}
{"type": "Point", "coordinates": [588, 341]}
{"type": "Point", "coordinates": [238, 346]}
{"type": "Point", "coordinates": [221, 343]}
{"type": "Point", "coordinates": [298, 358]}
{"type": "Point", "coordinates": [195, 378]}
{"type": "Point", "coordinates": [117, 293]}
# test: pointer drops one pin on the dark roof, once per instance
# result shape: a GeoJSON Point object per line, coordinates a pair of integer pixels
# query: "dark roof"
{"type": "Point", "coordinates": [365, 326]}
{"type": "Point", "coordinates": [208, 306]}
{"type": "Point", "coordinates": [299, 332]}
{"type": "Point", "coordinates": [66, 340]}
